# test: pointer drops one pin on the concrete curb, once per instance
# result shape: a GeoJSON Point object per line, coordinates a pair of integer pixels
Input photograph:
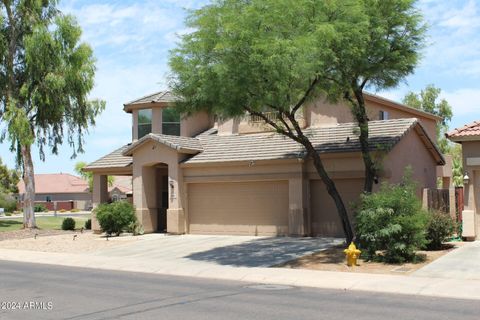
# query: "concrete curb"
{"type": "Point", "coordinates": [424, 286]}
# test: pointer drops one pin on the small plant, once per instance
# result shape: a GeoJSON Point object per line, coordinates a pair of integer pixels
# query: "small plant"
{"type": "Point", "coordinates": [74, 210]}
{"type": "Point", "coordinates": [88, 224]}
{"type": "Point", "coordinates": [40, 208]}
{"type": "Point", "coordinates": [62, 210]}
{"type": "Point", "coordinates": [8, 214]}
{"type": "Point", "coordinates": [68, 224]}
{"type": "Point", "coordinates": [115, 217]}
{"type": "Point", "coordinates": [136, 228]}
{"type": "Point", "coordinates": [392, 222]}
{"type": "Point", "coordinates": [440, 227]}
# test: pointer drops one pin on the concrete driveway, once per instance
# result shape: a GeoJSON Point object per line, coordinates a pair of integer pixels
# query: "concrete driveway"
{"type": "Point", "coordinates": [234, 251]}
{"type": "Point", "coordinates": [462, 263]}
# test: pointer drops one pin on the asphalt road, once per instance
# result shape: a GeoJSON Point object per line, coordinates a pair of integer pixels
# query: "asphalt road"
{"type": "Point", "coordinates": [51, 292]}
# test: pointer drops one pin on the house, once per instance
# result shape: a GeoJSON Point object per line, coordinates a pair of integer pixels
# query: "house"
{"type": "Point", "coordinates": [121, 189]}
{"type": "Point", "coordinates": [200, 176]}
{"type": "Point", "coordinates": [469, 137]}
{"type": "Point", "coordinates": [65, 190]}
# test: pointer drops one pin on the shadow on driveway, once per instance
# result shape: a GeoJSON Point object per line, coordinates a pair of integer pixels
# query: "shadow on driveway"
{"type": "Point", "coordinates": [264, 252]}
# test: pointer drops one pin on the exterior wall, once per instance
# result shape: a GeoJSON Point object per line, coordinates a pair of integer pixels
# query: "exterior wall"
{"type": "Point", "coordinates": [471, 213]}
{"type": "Point", "coordinates": [322, 113]}
{"type": "Point", "coordinates": [411, 151]}
{"type": "Point", "coordinates": [80, 196]}
{"type": "Point", "coordinates": [227, 127]}
{"type": "Point", "coordinates": [134, 125]}
{"type": "Point", "coordinates": [157, 120]}
{"type": "Point", "coordinates": [195, 124]}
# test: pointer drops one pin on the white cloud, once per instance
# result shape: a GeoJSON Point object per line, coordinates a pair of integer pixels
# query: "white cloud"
{"type": "Point", "coordinates": [464, 102]}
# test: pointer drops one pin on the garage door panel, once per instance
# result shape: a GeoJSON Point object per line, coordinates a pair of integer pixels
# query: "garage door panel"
{"type": "Point", "coordinates": [325, 219]}
{"type": "Point", "coordinates": [246, 208]}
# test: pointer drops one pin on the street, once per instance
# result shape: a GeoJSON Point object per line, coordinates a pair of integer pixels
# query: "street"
{"type": "Point", "coordinates": [52, 292]}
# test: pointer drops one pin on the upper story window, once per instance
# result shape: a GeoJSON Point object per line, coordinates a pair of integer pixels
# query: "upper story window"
{"type": "Point", "coordinates": [144, 122]}
{"type": "Point", "coordinates": [383, 115]}
{"type": "Point", "coordinates": [170, 122]}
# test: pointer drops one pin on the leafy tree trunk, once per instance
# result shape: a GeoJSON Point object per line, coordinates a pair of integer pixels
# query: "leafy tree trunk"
{"type": "Point", "coordinates": [29, 180]}
{"type": "Point", "coordinates": [360, 113]}
{"type": "Point", "coordinates": [332, 190]}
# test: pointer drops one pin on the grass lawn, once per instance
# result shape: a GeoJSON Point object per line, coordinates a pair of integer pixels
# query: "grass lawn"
{"type": "Point", "coordinates": [47, 223]}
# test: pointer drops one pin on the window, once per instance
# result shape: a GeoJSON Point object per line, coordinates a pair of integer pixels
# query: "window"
{"type": "Point", "coordinates": [48, 198]}
{"type": "Point", "coordinates": [170, 122]}
{"type": "Point", "coordinates": [144, 122]}
{"type": "Point", "coordinates": [383, 115]}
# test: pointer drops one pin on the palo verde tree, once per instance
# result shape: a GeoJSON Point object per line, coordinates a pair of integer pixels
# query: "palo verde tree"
{"type": "Point", "coordinates": [275, 56]}
{"type": "Point", "coordinates": [45, 78]}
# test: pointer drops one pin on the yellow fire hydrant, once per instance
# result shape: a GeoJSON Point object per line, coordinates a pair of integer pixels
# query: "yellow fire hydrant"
{"type": "Point", "coordinates": [352, 254]}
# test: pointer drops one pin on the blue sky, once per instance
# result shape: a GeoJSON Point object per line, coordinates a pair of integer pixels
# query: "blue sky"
{"type": "Point", "coordinates": [131, 40]}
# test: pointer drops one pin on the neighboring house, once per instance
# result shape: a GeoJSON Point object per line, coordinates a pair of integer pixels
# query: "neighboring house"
{"type": "Point", "coordinates": [469, 137]}
{"type": "Point", "coordinates": [239, 177]}
{"type": "Point", "coordinates": [65, 190]}
{"type": "Point", "coordinates": [121, 189]}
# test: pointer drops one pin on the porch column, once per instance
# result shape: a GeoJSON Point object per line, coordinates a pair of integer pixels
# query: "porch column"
{"type": "Point", "coordinates": [176, 222]}
{"type": "Point", "coordinates": [297, 213]}
{"type": "Point", "coordinates": [100, 195]}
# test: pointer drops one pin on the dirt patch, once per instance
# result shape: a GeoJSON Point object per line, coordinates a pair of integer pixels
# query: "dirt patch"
{"type": "Point", "coordinates": [333, 259]}
{"type": "Point", "coordinates": [30, 233]}
{"type": "Point", "coordinates": [65, 242]}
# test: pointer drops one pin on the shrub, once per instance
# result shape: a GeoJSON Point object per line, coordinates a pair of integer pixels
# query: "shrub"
{"type": "Point", "coordinates": [115, 217]}
{"type": "Point", "coordinates": [68, 224]}
{"type": "Point", "coordinates": [62, 210]}
{"type": "Point", "coordinates": [39, 208]}
{"type": "Point", "coordinates": [135, 228]}
{"type": "Point", "coordinates": [88, 224]}
{"type": "Point", "coordinates": [8, 214]}
{"type": "Point", "coordinates": [8, 202]}
{"type": "Point", "coordinates": [74, 210]}
{"type": "Point", "coordinates": [392, 221]}
{"type": "Point", "coordinates": [440, 226]}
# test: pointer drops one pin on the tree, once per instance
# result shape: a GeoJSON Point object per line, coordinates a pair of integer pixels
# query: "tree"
{"type": "Point", "coordinates": [89, 175]}
{"type": "Point", "coordinates": [457, 165]}
{"type": "Point", "coordinates": [275, 56]}
{"type": "Point", "coordinates": [45, 78]}
{"type": "Point", "coordinates": [427, 100]}
{"type": "Point", "coordinates": [8, 179]}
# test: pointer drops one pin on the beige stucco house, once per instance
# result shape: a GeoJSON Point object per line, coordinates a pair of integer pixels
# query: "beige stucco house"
{"type": "Point", "coordinates": [469, 137]}
{"type": "Point", "coordinates": [195, 175]}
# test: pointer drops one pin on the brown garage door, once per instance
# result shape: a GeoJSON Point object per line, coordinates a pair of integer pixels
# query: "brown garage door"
{"type": "Point", "coordinates": [238, 208]}
{"type": "Point", "coordinates": [325, 220]}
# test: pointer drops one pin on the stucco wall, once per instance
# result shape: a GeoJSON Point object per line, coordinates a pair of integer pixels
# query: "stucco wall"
{"type": "Point", "coordinates": [323, 113]}
{"type": "Point", "coordinates": [195, 124]}
{"type": "Point", "coordinates": [83, 196]}
{"type": "Point", "coordinates": [411, 151]}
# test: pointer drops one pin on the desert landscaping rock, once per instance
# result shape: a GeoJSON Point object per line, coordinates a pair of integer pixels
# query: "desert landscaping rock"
{"type": "Point", "coordinates": [65, 242]}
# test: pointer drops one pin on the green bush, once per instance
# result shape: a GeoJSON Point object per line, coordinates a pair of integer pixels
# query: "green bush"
{"type": "Point", "coordinates": [8, 202]}
{"type": "Point", "coordinates": [115, 217]}
{"type": "Point", "coordinates": [88, 224]}
{"type": "Point", "coordinates": [392, 222]}
{"type": "Point", "coordinates": [39, 208]}
{"type": "Point", "coordinates": [68, 224]}
{"type": "Point", "coordinates": [440, 227]}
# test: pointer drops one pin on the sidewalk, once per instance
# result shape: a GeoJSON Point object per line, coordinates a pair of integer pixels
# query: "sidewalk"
{"type": "Point", "coordinates": [426, 286]}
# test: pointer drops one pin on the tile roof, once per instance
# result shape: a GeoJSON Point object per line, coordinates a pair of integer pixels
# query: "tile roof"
{"type": "Point", "coordinates": [56, 183]}
{"type": "Point", "coordinates": [471, 130]}
{"type": "Point", "coordinates": [270, 146]}
{"type": "Point", "coordinates": [122, 183]}
{"type": "Point", "coordinates": [161, 96]}
{"type": "Point", "coordinates": [112, 160]}
{"type": "Point", "coordinates": [179, 143]}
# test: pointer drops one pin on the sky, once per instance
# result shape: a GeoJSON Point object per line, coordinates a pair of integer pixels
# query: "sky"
{"type": "Point", "coordinates": [131, 41]}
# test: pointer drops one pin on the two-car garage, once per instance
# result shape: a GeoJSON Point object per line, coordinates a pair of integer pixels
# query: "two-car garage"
{"type": "Point", "coordinates": [261, 207]}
